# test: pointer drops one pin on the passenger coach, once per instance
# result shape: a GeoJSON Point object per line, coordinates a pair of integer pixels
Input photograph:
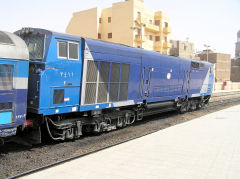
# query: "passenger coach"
{"type": "Point", "coordinates": [13, 83]}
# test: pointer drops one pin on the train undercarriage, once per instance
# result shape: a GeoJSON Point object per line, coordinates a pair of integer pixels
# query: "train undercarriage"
{"type": "Point", "coordinates": [73, 126]}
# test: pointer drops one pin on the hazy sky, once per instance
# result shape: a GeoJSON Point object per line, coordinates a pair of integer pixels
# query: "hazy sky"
{"type": "Point", "coordinates": [214, 22]}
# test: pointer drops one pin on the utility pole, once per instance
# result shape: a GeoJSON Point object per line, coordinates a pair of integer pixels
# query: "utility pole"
{"type": "Point", "coordinates": [207, 46]}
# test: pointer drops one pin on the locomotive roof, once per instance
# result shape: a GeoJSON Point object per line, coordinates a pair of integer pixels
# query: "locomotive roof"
{"type": "Point", "coordinates": [12, 47]}
{"type": "Point", "coordinates": [109, 47]}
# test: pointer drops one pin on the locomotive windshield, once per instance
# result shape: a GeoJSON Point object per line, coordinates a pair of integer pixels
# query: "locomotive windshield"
{"type": "Point", "coordinates": [35, 43]}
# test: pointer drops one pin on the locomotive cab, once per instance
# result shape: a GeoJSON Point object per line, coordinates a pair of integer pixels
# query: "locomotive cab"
{"type": "Point", "coordinates": [55, 71]}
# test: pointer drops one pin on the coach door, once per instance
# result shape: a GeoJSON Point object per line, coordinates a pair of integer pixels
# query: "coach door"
{"type": "Point", "coordinates": [145, 82]}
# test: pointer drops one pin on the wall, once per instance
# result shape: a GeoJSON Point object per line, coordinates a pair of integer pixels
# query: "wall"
{"type": "Point", "coordinates": [82, 26]}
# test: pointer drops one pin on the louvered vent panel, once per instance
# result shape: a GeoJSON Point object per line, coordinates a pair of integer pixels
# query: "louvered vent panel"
{"type": "Point", "coordinates": [92, 68]}
{"type": "Point", "coordinates": [125, 73]}
{"type": "Point", "coordinates": [115, 72]}
{"type": "Point", "coordinates": [102, 92]}
{"type": "Point", "coordinates": [104, 72]}
{"type": "Point", "coordinates": [123, 91]}
{"type": "Point", "coordinates": [113, 95]}
{"type": "Point", "coordinates": [90, 94]}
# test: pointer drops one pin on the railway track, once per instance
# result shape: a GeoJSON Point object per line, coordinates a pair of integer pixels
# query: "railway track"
{"type": "Point", "coordinates": [216, 103]}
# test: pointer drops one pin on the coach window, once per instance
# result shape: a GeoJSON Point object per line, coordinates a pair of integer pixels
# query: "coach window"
{"type": "Point", "coordinates": [6, 77]}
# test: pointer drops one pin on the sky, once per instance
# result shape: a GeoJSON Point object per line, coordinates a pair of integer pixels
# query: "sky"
{"type": "Point", "coordinates": [211, 22]}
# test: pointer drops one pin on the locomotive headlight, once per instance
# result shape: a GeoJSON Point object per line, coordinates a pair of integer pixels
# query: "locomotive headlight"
{"type": "Point", "coordinates": [25, 30]}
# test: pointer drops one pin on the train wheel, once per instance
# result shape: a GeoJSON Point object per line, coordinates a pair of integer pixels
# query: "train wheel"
{"type": "Point", "coordinates": [184, 107]}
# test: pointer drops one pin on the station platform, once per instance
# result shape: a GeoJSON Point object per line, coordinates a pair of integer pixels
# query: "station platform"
{"type": "Point", "coordinates": [204, 148]}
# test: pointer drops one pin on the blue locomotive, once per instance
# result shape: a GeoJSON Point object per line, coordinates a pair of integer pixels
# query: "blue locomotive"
{"type": "Point", "coordinates": [13, 83]}
{"type": "Point", "coordinates": [78, 84]}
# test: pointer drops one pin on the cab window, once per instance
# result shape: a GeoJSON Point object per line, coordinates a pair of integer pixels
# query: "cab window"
{"type": "Point", "coordinates": [68, 50]}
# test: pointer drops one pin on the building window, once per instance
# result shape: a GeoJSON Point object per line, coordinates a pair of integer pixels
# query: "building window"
{"type": "Point", "coordinates": [139, 14]}
{"type": "Point", "coordinates": [100, 20]}
{"type": "Point", "coordinates": [150, 37]}
{"type": "Point", "coordinates": [139, 31]}
{"type": "Point", "coordinates": [150, 21]}
{"type": "Point", "coordinates": [157, 38]}
{"type": "Point", "coordinates": [109, 35]}
{"type": "Point", "coordinates": [99, 36]}
{"type": "Point", "coordinates": [166, 24]}
{"type": "Point", "coordinates": [109, 19]}
{"type": "Point", "coordinates": [157, 22]}
{"type": "Point", "coordinates": [165, 39]}
{"type": "Point", "coordinates": [138, 47]}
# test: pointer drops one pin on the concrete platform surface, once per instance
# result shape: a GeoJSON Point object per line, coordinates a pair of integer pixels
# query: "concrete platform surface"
{"type": "Point", "coordinates": [204, 148]}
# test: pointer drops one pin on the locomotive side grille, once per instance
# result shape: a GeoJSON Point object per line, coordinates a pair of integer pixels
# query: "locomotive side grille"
{"type": "Point", "coordinates": [91, 82]}
{"type": "Point", "coordinates": [125, 73]}
{"type": "Point", "coordinates": [5, 106]}
{"type": "Point", "coordinates": [102, 92]}
{"type": "Point", "coordinates": [92, 69]}
{"type": "Point", "coordinates": [104, 71]}
{"type": "Point", "coordinates": [123, 91]}
{"type": "Point", "coordinates": [115, 72]}
{"type": "Point", "coordinates": [103, 82]}
{"type": "Point", "coordinates": [113, 95]}
{"type": "Point", "coordinates": [90, 94]}
{"type": "Point", "coordinates": [102, 88]}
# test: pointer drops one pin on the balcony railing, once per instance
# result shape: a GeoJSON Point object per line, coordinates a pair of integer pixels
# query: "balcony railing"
{"type": "Point", "coordinates": [167, 30]}
{"type": "Point", "coordinates": [138, 38]}
{"type": "Point", "coordinates": [148, 26]}
{"type": "Point", "coordinates": [157, 45]}
{"type": "Point", "coordinates": [153, 28]}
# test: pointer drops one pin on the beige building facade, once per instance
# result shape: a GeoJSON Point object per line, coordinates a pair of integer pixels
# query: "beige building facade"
{"type": "Point", "coordinates": [182, 49]}
{"type": "Point", "coordinates": [223, 64]}
{"type": "Point", "coordinates": [127, 22]}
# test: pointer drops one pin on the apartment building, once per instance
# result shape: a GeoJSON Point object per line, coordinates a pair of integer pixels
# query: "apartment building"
{"type": "Point", "coordinates": [127, 22]}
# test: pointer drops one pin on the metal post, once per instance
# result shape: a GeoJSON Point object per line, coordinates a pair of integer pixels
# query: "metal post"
{"type": "Point", "coordinates": [207, 46]}
{"type": "Point", "coordinates": [207, 53]}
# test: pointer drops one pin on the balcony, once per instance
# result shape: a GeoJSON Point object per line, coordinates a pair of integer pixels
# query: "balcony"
{"type": "Point", "coordinates": [152, 28]}
{"type": "Point", "coordinates": [167, 30]}
{"type": "Point", "coordinates": [167, 45]}
{"type": "Point", "coordinates": [148, 26]}
{"type": "Point", "coordinates": [138, 38]}
{"type": "Point", "coordinates": [158, 46]}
